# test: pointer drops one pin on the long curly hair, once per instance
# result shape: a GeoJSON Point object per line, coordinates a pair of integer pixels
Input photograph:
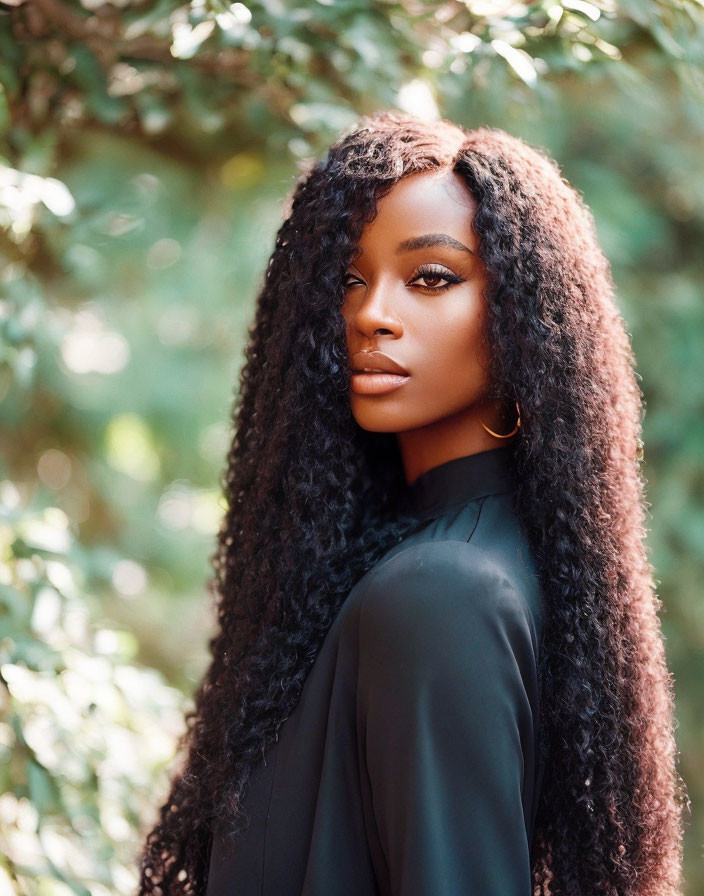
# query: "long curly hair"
{"type": "Point", "coordinates": [313, 501]}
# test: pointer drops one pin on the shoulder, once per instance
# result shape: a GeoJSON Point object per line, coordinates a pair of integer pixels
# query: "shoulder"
{"type": "Point", "coordinates": [438, 599]}
{"type": "Point", "coordinates": [435, 576]}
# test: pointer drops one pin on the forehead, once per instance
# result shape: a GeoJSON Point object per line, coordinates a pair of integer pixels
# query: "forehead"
{"type": "Point", "coordinates": [426, 202]}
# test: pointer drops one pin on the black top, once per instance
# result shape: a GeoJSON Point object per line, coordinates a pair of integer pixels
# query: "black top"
{"type": "Point", "coordinates": [410, 765]}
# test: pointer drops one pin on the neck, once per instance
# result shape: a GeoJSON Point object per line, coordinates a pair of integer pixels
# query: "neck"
{"type": "Point", "coordinates": [455, 436]}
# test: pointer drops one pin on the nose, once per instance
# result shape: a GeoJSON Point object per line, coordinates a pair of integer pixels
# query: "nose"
{"type": "Point", "coordinates": [372, 312]}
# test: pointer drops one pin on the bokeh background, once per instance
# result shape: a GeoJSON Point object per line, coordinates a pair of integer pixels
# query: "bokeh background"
{"type": "Point", "coordinates": [147, 150]}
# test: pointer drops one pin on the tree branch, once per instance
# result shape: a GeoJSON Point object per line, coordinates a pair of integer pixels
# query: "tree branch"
{"type": "Point", "coordinates": [102, 35]}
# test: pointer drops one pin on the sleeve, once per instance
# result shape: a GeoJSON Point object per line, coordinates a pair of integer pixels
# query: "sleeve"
{"type": "Point", "coordinates": [445, 649]}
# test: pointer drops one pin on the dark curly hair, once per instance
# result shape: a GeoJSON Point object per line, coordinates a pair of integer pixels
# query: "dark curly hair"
{"type": "Point", "coordinates": [313, 501]}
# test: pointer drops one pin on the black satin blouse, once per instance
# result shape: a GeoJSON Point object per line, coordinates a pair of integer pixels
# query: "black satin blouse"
{"type": "Point", "coordinates": [410, 765]}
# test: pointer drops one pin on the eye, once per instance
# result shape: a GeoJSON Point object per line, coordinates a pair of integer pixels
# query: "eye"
{"type": "Point", "coordinates": [430, 273]}
{"type": "Point", "coordinates": [347, 275]}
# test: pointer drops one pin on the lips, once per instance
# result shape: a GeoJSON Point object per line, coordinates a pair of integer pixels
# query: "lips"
{"type": "Point", "coordinates": [375, 362]}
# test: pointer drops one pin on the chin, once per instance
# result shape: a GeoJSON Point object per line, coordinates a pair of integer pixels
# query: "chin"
{"type": "Point", "coordinates": [380, 429]}
{"type": "Point", "coordinates": [398, 419]}
{"type": "Point", "coordinates": [380, 420]}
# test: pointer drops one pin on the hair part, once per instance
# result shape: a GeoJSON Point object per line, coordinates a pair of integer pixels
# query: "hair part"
{"type": "Point", "coordinates": [313, 501]}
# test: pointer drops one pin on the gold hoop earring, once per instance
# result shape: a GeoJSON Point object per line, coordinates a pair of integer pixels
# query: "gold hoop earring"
{"type": "Point", "coordinates": [508, 434]}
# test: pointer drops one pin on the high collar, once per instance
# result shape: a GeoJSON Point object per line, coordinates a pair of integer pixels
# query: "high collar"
{"type": "Point", "coordinates": [462, 479]}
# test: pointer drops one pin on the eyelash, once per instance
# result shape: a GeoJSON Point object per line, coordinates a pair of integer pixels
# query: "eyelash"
{"type": "Point", "coordinates": [431, 271]}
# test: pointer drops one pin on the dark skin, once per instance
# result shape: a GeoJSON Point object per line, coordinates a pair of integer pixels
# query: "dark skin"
{"type": "Point", "coordinates": [435, 333]}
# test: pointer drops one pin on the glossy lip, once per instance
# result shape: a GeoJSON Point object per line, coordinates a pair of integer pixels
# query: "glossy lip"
{"type": "Point", "coordinates": [377, 362]}
{"type": "Point", "coordinates": [384, 374]}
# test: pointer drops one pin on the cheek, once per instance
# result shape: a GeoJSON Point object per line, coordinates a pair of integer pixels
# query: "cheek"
{"type": "Point", "coordinates": [453, 341]}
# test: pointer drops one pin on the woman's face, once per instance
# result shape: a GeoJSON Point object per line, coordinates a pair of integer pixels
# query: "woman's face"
{"type": "Point", "coordinates": [414, 293]}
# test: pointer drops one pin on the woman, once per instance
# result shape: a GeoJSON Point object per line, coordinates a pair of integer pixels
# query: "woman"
{"type": "Point", "coordinates": [439, 667]}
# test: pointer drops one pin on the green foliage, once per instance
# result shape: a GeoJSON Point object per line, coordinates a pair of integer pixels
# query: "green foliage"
{"type": "Point", "coordinates": [266, 74]}
{"type": "Point", "coordinates": [146, 150]}
{"type": "Point", "coordinates": [85, 735]}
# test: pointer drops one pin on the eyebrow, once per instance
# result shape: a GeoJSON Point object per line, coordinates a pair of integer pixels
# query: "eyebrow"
{"type": "Point", "coordinates": [432, 239]}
